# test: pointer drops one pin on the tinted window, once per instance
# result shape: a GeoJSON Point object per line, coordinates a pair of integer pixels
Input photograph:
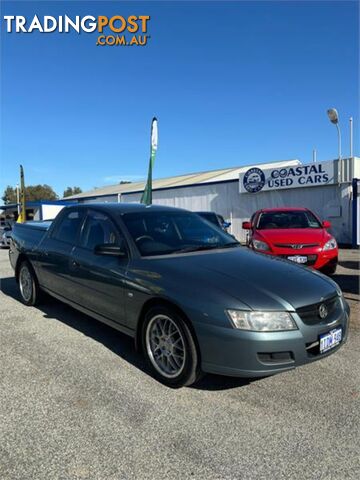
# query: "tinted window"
{"type": "Point", "coordinates": [98, 230]}
{"type": "Point", "coordinates": [210, 217]}
{"type": "Point", "coordinates": [160, 233]}
{"type": "Point", "coordinates": [67, 229]}
{"type": "Point", "coordinates": [288, 219]}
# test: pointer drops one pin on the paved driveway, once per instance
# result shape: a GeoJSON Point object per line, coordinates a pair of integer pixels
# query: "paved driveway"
{"type": "Point", "coordinates": [76, 403]}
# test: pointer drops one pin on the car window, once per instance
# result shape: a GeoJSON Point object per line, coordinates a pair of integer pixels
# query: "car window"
{"type": "Point", "coordinates": [160, 233]}
{"type": "Point", "coordinates": [210, 217]}
{"type": "Point", "coordinates": [98, 230]}
{"type": "Point", "coordinates": [288, 219]}
{"type": "Point", "coordinates": [67, 229]}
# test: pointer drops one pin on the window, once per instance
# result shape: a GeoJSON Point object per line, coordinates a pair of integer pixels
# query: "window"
{"type": "Point", "coordinates": [288, 219]}
{"type": "Point", "coordinates": [98, 230]}
{"type": "Point", "coordinates": [161, 233]}
{"type": "Point", "coordinates": [67, 229]}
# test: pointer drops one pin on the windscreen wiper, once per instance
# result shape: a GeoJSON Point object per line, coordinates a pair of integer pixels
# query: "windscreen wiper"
{"type": "Point", "coordinates": [196, 248]}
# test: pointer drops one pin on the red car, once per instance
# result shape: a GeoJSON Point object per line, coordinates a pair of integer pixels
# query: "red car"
{"type": "Point", "coordinates": [296, 234]}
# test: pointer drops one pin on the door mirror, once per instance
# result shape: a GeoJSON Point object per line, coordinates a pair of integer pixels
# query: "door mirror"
{"type": "Point", "coordinates": [110, 249]}
{"type": "Point", "coordinates": [246, 225]}
{"type": "Point", "coordinates": [326, 224]}
{"type": "Point", "coordinates": [226, 224]}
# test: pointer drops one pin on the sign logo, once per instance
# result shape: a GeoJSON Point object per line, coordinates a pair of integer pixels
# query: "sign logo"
{"type": "Point", "coordinates": [294, 176]}
{"type": "Point", "coordinates": [323, 311]}
{"type": "Point", "coordinates": [254, 180]}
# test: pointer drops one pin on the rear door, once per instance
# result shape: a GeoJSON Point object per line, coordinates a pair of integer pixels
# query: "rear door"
{"type": "Point", "coordinates": [100, 278]}
{"type": "Point", "coordinates": [55, 253]}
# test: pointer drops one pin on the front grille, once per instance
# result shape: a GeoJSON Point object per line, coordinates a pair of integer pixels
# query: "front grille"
{"type": "Point", "coordinates": [310, 314]}
{"type": "Point", "coordinates": [296, 246]}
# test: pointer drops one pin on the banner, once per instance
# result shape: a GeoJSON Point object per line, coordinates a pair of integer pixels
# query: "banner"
{"type": "Point", "coordinates": [147, 195]}
{"type": "Point", "coordinates": [22, 214]}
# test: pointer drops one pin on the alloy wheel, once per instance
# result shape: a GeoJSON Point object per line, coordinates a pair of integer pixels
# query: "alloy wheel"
{"type": "Point", "coordinates": [165, 346]}
{"type": "Point", "coordinates": [26, 283]}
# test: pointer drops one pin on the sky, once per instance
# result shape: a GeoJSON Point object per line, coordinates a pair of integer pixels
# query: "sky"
{"type": "Point", "coordinates": [232, 83]}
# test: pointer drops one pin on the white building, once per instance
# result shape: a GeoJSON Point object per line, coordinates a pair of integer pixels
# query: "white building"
{"type": "Point", "coordinates": [236, 193]}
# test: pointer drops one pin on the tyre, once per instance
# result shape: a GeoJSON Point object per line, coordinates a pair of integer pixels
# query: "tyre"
{"type": "Point", "coordinates": [330, 270]}
{"type": "Point", "coordinates": [169, 348]}
{"type": "Point", "coordinates": [28, 284]}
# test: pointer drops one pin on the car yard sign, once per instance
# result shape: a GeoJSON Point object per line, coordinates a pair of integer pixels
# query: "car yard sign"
{"type": "Point", "coordinates": [257, 180]}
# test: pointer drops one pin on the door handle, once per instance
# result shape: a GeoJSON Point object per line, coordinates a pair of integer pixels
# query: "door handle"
{"type": "Point", "coordinates": [74, 263]}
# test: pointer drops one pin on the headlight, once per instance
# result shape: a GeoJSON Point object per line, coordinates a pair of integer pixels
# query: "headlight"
{"type": "Point", "coordinates": [259, 245]}
{"type": "Point", "coordinates": [330, 244]}
{"type": "Point", "coordinates": [262, 321]}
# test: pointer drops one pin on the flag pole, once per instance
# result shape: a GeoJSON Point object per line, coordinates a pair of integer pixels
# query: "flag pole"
{"type": "Point", "coordinates": [146, 197]}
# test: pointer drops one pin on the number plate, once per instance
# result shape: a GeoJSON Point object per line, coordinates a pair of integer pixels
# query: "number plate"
{"type": "Point", "coordinates": [330, 340]}
{"type": "Point", "coordinates": [298, 258]}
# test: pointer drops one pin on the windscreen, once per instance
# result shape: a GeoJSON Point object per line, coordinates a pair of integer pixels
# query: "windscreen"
{"type": "Point", "coordinates": [210, 217]}
{"type": "Point", "coordinates": [161, 233]}
{"type": "Point", "coordinates": [288, 219]}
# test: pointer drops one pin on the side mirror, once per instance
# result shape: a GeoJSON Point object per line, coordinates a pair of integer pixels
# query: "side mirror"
{"type": "Point", "coordinates": [110, 249]}
{"type": "Point", "coordinates": [226, 224]}
{"type": "Point", "coordinates": [326, 224]}
{"type": "Point", "coordinates": [246, 225]}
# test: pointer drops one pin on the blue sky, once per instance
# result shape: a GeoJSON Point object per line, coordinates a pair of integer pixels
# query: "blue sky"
{"type": "Point", "coordinates": [232, 83]}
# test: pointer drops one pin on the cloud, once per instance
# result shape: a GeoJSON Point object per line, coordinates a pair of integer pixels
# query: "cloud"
{"type": "Point", "coordinates": [124, 178]}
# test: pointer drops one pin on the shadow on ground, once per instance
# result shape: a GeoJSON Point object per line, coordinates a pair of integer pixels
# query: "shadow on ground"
{"type": "Point", "coordinates": [350, 264]}
{"type": "Point", "coordinates": [117, 342]}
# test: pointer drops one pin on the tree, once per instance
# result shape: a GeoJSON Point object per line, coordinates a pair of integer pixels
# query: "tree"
{"type": "Point", "coordinates": [123, 182]}
{"type": "Point", "coordinates": [9, 195]}
{"type": "Point", "coordinates": [71, 191]}
{"type": "Point", "coordinates": [39, 192]}
{"type": "Point", "coordinates": [33, 193]}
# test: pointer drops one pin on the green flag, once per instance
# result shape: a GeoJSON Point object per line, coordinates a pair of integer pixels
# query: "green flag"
{"type": "Point", "coordinates": [147, 194]}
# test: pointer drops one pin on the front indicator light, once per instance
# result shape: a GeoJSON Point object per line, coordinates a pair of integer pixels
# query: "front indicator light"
{"type": "Point", "coordinates": [262, 321]}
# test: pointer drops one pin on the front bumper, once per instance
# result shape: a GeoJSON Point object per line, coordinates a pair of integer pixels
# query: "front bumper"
{"type": "Point", "coordinates": [317, 258]}
{"type": "Point", "coordinates": [233, 352]}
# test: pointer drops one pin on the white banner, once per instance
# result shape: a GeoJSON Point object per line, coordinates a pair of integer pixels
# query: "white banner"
{"type": "Point", "coordinates": [257, 180]}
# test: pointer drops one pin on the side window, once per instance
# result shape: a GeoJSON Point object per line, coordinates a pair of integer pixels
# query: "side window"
{"type": "Point", "coordinates": [98, 230]}
{"type": "Point", "coordinates": [66, 231]}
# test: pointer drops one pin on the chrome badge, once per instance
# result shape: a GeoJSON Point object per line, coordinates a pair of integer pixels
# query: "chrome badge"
{"type": "Point", "coordinates": [323, 311]}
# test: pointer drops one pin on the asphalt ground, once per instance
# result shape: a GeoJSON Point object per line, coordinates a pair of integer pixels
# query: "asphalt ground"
{"type": "Point", "coordinates": [77, 403]}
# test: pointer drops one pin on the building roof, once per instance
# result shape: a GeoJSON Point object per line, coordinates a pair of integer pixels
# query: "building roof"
{"type": "Point", "coordinates": [212, 176]}
{"type": "Point", "coordinates": [126, 207]}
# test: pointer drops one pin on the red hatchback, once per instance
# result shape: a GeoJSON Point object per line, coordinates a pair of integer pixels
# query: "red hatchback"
{"type": "Point", "coordinates": [295, 234]}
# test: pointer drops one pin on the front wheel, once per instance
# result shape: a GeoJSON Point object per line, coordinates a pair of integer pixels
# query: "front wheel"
{"type": "Point", "coordinates": [169, 348]}
{"type": "Point", "coordinates": [29, 288]}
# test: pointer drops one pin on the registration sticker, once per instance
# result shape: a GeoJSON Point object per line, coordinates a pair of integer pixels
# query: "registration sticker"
{"type": "Point", "coordinates": [330, 340]}
{"type": "Point", "coordinates": [298, 258]}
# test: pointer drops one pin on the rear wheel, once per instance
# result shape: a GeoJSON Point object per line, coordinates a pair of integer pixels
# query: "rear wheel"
{"type": "Point", "coordinates": [169, 347]}
{"type": "Point", "coordinates": [28, 285]}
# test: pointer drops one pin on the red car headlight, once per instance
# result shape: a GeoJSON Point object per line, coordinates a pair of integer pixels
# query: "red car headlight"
{"type": "Point", "coordinates": [330, 244]}
{"type": "Point", "coordinates": [259, 245]}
